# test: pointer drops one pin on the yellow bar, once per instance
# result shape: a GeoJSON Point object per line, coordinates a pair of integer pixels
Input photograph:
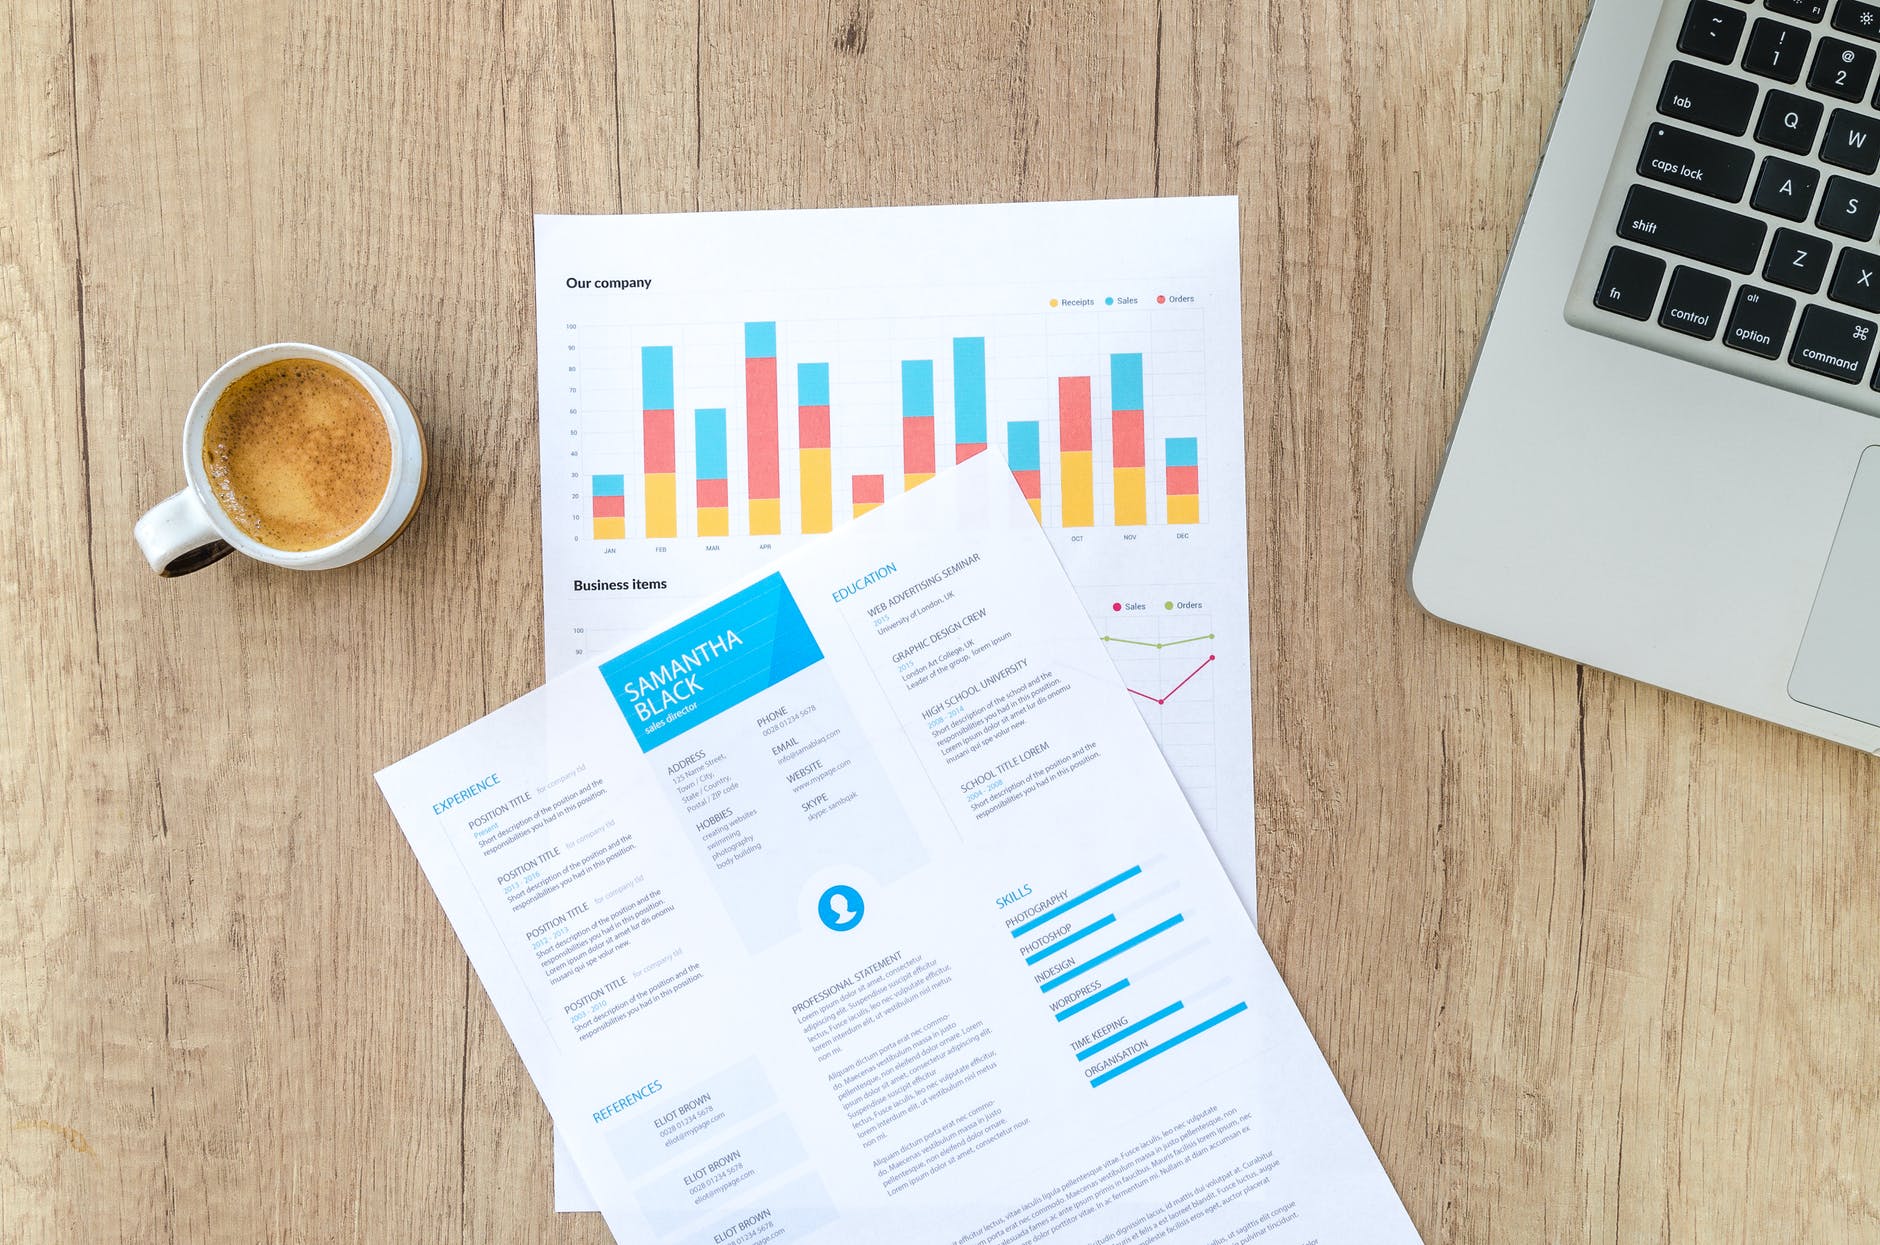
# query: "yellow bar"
{"type": "Point", "coordinates": [813, 474]}
{"type": "Point", "coordinates": [1132, 496]}
{"type": "Point", "coordinates": [714, 521]}
{"type": "Point", "coordinates": [1037, 509]}
{"type": "Point", "coordinates": [766, 516]}
{"type": "Point", "coordinates": [662, 504]}
{"type": "Point", "coordinates": [610, 529]}
{"type": "Point", "coordinates": [863, 507]}
{"type": "Point", "coordinates": [1184, 509]}
{"type": "Point", "coordinates": [1080, 492]}
{"type": "Point", "coordinates": [913, 481]}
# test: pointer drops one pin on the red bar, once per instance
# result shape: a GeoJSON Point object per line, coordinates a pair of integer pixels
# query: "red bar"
{"type": "Point", "coordinates": [610, 507]}
{"type": "Point", "coordinates": [1184, 481]}
{"type": "Point", "coordinates": [1126, 439]}
{"type": "Point", "coordinates": [917, 446]}
{"type": "Point", "coordinates": [812, 427]}
{"type": "Point", "coordinates": [1073, 413]}
{"type": "Point", "coordinates": [760, 426]}
{"type": "Point", "coordinates": [1030, 483]}
{"type": "Point", "coordinates": [661, 458]}
{"type": "Point", "coordinates": [866, 489]}
{"type": "Point", "coordinates": [714, 493]}
{"type": "Point", "coordinates": [963, 452]}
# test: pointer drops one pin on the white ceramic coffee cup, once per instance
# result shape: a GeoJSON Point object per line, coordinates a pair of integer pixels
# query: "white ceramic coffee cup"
{"type": "Point", "coordinates": [190, 530]}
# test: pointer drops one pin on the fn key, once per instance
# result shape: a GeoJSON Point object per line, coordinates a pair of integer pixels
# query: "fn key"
{"type": "Point", "coordinates": [1629, 284]}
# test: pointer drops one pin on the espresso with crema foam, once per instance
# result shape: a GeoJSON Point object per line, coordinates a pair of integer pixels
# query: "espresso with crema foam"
{"type": "Point", "coordinates": [297, 453]}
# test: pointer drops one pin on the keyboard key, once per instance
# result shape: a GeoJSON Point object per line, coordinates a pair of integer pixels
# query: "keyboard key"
{"type": "Point", "coordinates": [1698, 231]}
{"type": "Point", "coordinates": [1854, 17]}
{"type": "Point", "coordinates": [1856, 280]}
{"type": "Point", "coordinates": [1759, 323]}
{"type": "Point", "coordinates": [1711, 31]}
{"type": "Point", "coordinates": [1776, 50]}
{"type": "Point", "coordinates": [1833, 343]}
{"type": "Point", "coordinates": [1842, 70]}
{"type": "Point", "coordinates": [1852, 141]}
{"type": "Point", "coordinates": [1629, 283]}
{"type": "Point", "coordinates": [1807, 10]}
{"type": "Point", "coordinates": [1694, 303]}
{"type": "Point", "coordinates": [1788, 121]}
{"type": "Point", "coordinates": [1696, 162]}
{"type": "Point", "coordinates": [1785, 189]}
{"type": "Point", "coordinates": [1705, 97]}
{"type": "Point", "coordinates": [1849, 208]}
{"type": "Point", "coordinates": [1798, 260]}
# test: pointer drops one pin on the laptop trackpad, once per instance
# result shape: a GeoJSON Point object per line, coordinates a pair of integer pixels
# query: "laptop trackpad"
{"type": "Point", "coordinates": [1838, 668]}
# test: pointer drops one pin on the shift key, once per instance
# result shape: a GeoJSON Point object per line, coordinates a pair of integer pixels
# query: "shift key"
{"type": "Point", "coordinates": [1696, 162]}
{"type": "Point", "coordinates": [1698, 231]}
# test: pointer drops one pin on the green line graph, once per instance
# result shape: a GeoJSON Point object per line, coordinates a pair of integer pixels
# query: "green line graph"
{"type": "Point", "coordinates": [1157, 644]}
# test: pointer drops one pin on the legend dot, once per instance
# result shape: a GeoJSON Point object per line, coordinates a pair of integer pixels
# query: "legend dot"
{"type": "Point", "coordinates": [1118, 607]}
{"type": "Point", "coordinates": [1161, 298]}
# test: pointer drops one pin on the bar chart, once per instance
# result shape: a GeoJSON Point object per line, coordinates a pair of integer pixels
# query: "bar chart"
{"type": "Point", "coordinates": [754, 476]}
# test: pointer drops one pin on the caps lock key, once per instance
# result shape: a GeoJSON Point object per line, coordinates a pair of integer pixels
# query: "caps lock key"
{"type": "Point", "coordinates": [1696, 162]}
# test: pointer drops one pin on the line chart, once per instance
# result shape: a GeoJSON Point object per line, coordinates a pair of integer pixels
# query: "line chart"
{"type": "Point", "coordinates": [1156, 644]}
{"type": "Point", "coordinates": [1169, 695]}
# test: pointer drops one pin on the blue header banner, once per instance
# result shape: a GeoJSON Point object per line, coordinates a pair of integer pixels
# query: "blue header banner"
{"type": "Point", "coordinates": [715, 660]}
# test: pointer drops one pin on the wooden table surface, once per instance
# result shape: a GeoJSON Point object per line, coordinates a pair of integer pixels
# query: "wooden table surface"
{"type": "Point", "coordinates": [1594, 962]}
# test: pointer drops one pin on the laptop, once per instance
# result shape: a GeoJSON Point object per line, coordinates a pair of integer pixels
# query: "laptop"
{"type": "Point", "coordinates": [1667, 464]}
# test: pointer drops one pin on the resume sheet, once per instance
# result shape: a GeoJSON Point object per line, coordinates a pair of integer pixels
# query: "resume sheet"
{"type": "Point", "coordinates": [858, 905]}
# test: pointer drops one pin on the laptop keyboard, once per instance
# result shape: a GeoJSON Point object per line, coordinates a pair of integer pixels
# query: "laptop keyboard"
{"type": "Point", "coordinates": [1738, 227]}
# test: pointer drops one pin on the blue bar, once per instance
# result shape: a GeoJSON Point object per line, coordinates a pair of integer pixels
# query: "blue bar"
{"type": "Point", "coordinates": [709, 429]}
{"type": "Point", "coordinates": [812, 384]}
{"type": "Point", "coordinates": [1132, 1031]}
{"type": "Point", "coordinates": [969, 391]}
{"type": "Point", "coordinates": [656, 378]}
{"type": "Point", "coordinates": [1021, 445]}
{"type": "Point", "coordinates": [1074, 900]}
{"type": "Point", "coordinates": [1052, 950]}
{"type": "Point", "coordinates": [917, 389]}
{"type": "Point", "coordinates": [760, 340]}
{"type": "Point", "coordinates": [1111, 954]}
{"type": "Point", "coordinates": [610, 486]}
{"type": "Point", "coordinates": [1092, 1001]}
{"type": "Point", "coordinates": [1171, 1044]}
{"type": "Point", "coordinates": [1183, 452]}
{"type": "Point", "coordinates": [1126, 382]}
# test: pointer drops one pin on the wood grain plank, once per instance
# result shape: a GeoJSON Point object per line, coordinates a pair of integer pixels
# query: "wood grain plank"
{"type": "Point", "coordinates": [1418, 787]}
{"type": "Point", "coordinates": [79, 943]}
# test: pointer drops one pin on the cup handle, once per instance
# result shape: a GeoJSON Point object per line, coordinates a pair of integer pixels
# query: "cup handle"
{"type": "Point", "coordinates": [177, 536]}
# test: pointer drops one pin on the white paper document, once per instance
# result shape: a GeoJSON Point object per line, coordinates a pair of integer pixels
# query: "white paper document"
{"type": "Point", "coordinates": [716, 388]}
{"type": "Point", "coordinates": [859, 906]}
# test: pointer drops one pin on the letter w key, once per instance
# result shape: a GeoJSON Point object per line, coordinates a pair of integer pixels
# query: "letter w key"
{"type": "Point", "coordinates": [1857, 280]}
{"type": "Point", "coordinates": [1852, 141]}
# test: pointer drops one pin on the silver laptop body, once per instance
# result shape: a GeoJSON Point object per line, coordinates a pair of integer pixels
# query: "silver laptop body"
{"type": "Point", "coordinates": [1667, 464]}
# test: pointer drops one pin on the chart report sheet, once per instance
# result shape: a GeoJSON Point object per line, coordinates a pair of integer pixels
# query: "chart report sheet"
{"type": "Point", "coordinates": [858, 906]}
{"type": "Point", "coordinates": [716, 388]}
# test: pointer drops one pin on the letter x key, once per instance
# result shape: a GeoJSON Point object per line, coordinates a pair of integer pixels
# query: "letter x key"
{"type": "Point", "coordinates": [1857, 280]}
